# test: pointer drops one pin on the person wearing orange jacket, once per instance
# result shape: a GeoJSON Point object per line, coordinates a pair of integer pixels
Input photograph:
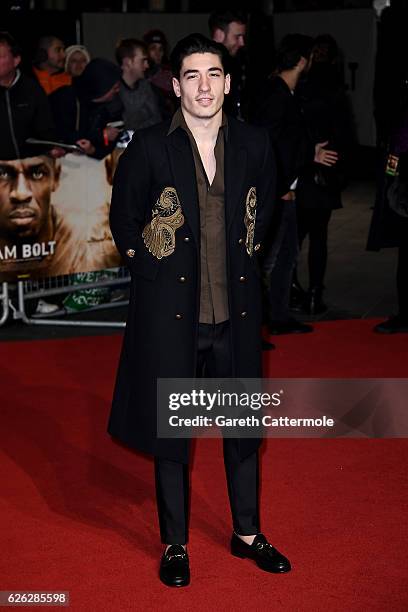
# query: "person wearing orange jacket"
{"type": "Point", "coordinates": [49, 64]}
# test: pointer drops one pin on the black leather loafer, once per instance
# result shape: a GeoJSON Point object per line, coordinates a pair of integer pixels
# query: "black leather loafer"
{"type": "Point", "coordinates": [174, 567]}
{"type": "Point", "coordinates": [268, 346]}
{"type": "Point", "coordinates": [290, 326]}
{"type": "Point", "coordinates": [393, 325]}
{"type": "Point", "coordinates": [264, 554]}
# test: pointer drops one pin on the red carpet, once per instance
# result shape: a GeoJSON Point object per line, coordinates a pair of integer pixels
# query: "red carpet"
{"type": "Point", "coordinates": [77, 510]}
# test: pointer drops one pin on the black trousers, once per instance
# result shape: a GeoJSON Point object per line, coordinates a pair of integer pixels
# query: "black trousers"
{"type": "Point", "coordinates": [402, 280]}
{"type": "Point", "coordinates": [279, 263]}
{"type": "Point", "coordinates": [314, 222]}
{"type": "Point", "coordinates": [172, 477]}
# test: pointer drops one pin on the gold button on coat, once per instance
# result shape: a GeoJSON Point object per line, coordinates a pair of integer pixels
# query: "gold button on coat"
{"type": "Point", "coordinates": [241, 241]}
{"type": "Point", "coordinates": [244, 313]}
{"type": "Point", "coordinates": [130, 252]}
{"type": "Point", "coordinates": [179, 316]}
{"type": "Point", "coordinates": [242, 279]}
{"type": "Point", "coordinates": [182, 279]}
{"type": "Point", "coordinates": [186, 239]}
{"type": "Point", "coordinates": [257, 247]}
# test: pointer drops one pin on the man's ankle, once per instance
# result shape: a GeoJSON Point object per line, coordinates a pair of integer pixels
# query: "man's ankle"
{"type": "Point", "coordinates": [248, 539]}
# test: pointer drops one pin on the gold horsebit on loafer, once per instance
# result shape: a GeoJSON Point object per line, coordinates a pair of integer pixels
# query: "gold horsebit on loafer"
{"type": "Point", "coordinates": [174, 555]}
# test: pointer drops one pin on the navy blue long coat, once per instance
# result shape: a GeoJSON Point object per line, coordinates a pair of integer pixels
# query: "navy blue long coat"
{"type": "Point", "coordinates": [156, 227]}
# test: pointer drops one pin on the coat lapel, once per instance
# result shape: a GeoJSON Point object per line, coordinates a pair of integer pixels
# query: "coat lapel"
{"type": "Point", "coordinates": [235, 173]}
{"type": "Point", "coordinates": [183, 170]}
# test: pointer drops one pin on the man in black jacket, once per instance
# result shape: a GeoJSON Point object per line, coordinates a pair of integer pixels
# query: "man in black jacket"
{"type": "Point", "coordinates": [24, 111]}
{"type": "Point", "coordinates": [192, 199]}
{"type": "Point", "coordinates": [327, 113]}
{"type": "Point", "coordinates": [281, 114]}
{"type": "Point", "coordinates": [228, 27]}
{"type": "Point", "coordinates": [84, 110]}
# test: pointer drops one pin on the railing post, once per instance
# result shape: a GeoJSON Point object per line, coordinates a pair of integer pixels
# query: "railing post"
{"type": "Point", "coordinates": [4, 300]}
{"type": "Point", "coordinates": [20, 312]}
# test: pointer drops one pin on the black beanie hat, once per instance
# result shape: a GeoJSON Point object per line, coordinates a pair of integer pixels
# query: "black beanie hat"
{"type": "Point", "coordinates": [98, 78]}
{"type": "Point", "coordinates": [155, 36]}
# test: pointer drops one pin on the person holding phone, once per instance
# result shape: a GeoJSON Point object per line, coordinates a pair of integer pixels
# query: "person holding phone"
{"type": "Point", "coordinates": [85, 113]}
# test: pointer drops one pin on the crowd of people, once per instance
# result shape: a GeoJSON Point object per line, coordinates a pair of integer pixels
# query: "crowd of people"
{"type": "Point", "coordinates": [97, 105]}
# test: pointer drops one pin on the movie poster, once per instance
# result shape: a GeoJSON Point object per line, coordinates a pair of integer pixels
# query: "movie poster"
{"type": "Point", "coordinates": [54, 216]}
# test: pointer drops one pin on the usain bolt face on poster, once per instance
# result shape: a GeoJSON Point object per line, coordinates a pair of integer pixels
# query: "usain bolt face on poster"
{"type": "Point", "coordinates": [26, 222]}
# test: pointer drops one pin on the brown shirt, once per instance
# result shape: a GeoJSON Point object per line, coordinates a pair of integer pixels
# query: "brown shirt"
{"type": "Point", "coordinates": [213, 294]}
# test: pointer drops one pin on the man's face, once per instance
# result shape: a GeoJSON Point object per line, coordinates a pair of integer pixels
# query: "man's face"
{"type": "Point", "coordinates": [8, 63]}
{"type": "Point", "coordinates": [137, 65]}
{"type": "Point", "coordinates": [76, 63]}
{"type": "Point", "coordinates": [234, 37]}
{"type": "Point", "coordinates": [25, 193]}
{"type": "Point", "coordinates": [155, 52]}
{"type": "Point", "coordinates": [56, 54]}
{"type": "Point", "coordinates": [202, 85]}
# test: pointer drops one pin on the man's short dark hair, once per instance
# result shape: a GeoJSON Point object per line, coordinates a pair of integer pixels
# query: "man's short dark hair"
{"type": "Point", "coordinates": [46, 41]}
{"type": "Point", "coordinates": [222, 19]}
{"type": "Point", "coordinates": [291, 49]}
{"type": "Point", "coordinates": [7, 39]}
{"type": "Point", "coordinates": [195, 43]}
{"type": "Point", "coordinates": [126, 47]}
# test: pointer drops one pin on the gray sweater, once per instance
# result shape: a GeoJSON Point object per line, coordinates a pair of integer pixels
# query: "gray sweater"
{"type": "Point", "coordinates": [141, 106]}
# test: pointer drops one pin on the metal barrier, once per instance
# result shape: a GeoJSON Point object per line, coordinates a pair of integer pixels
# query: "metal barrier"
{"type": "Point", "coordinates": [27, 290]}
{"type": "Point", "coordinates": [4, 300]}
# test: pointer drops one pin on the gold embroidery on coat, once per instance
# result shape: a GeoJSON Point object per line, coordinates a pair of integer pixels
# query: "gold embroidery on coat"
{"type": "Point", "coordinates": [249, 220]}
{"type": "Point", "coordinates": [160, 234]}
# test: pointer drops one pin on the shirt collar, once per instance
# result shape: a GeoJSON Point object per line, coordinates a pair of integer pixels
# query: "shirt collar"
{"type": "Point", "coordinates": [16, 78]}
{"type": "Point", "coordinates": [126, 86]}
{"type": "Point", "coordinates": [178, 121]}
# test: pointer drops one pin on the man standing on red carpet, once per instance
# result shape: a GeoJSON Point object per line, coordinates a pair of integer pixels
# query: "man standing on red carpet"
{"type": "Point", "coordinates": [192, 200]}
